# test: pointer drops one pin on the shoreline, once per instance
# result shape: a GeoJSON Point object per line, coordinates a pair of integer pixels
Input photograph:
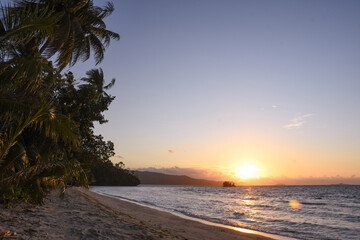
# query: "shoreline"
{"type": "Point", "coordinates": [171, 221]}
{"type": "Point", "coordinates": [84, 214]}
{"type": "Point", "coordinates": [202, 221]}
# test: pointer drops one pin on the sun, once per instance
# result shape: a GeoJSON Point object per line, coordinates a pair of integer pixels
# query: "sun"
{"type": "Point", "coordinates": [246, 171]}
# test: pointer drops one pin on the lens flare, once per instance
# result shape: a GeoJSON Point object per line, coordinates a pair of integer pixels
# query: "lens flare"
{"type": "Point", "coordinates": [294, 204]}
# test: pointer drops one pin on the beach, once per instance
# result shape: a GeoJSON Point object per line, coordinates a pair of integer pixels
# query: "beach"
{"type": "Point", "coordinates": [83, 214]}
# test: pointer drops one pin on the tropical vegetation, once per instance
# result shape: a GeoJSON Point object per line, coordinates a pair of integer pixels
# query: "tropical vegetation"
{"type": "Point", "coordinates": [47, 117]}
{"type": "Point", "coordinates": [229, 184]}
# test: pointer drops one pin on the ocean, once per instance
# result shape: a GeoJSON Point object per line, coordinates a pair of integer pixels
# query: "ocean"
{"type": "Point", "coordinates": [301, 212]}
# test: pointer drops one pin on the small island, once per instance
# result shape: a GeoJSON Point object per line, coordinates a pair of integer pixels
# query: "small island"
{"type": "Point", "coordinates": [228, 184]}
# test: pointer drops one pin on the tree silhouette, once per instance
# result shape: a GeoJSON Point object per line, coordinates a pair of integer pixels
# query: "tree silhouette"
{"type": "Point", "coordinates": [46, 123]}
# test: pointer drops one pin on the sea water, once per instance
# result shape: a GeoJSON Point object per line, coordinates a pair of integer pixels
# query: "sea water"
{"type": "Point", "coordinates": [302, 212]}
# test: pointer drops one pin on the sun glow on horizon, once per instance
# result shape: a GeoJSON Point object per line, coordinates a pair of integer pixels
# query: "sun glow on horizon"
{"type": "Point", "coordinates": [246, 171]}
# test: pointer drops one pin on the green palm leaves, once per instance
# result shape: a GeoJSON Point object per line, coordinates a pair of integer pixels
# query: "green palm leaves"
{"type": "Point", "coordinates": [77, 29]}
{"type": "Point", "coordinates": [25, 159]}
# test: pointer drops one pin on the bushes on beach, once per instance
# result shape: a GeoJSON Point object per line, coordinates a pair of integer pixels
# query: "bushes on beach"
{"type": "Point", "coordinates": [47, 117]}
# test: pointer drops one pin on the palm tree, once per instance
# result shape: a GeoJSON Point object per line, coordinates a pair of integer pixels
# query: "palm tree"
{"type": "Point", "coordinates": [31, 152]}
{"type": "Point", "coordinates": [31, 32]}
{"type": "Point", "coordinates": [79, 29]}
{"type": "Point", "coordinates": [23, 69]}
{"type": "Point", "coordinates": [96, 78]}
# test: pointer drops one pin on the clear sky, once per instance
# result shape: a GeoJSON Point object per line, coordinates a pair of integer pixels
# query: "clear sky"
{"type": "Point", "coordinates": [214, 84]}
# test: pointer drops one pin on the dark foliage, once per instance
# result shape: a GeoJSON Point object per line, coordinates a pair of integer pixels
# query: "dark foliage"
{"type": "Point", "coordinates": [46, 122]}
{"type": "Point", "coordinates": [228, 184]}
{"type": "Point", "coordinates": [108, 174]}
{"type": "Point", "coordinates": [86, 104]}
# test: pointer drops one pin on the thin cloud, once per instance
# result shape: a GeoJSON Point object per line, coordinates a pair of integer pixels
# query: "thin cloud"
{"type": "Point", "coordinates": [307, 180]}
{"type": "Point", "coordinates": [171, 151]}
{"type": "Point", "coordinates": [274, 106]}
{"type": "Point", "coordinates": [119, 157]}
{"type": "Point", "coordinates": [298, 121]}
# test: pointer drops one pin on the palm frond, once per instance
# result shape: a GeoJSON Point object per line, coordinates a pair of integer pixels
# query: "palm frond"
{"type": "Point", "coordinates": [20, 25]}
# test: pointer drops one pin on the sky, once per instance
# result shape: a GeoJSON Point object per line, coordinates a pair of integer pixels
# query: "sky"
{"type": "Point", "coordinates": [208, 86]}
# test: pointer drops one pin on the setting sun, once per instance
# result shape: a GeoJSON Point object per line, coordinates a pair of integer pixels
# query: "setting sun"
{"type": "Point", "coordinates": [246, 171]}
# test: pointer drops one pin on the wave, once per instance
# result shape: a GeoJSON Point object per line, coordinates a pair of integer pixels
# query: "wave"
{"type": "Point", "coordinates": [223, 221]}
{"type": "Point", "coordinates": [238, 214]}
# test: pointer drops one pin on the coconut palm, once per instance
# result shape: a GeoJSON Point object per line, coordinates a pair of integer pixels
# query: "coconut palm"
{"type": "Point", "coordinates": [96, 78]}
{"type": "Point", "coordinates": [23, 69]}
{"type": "Point", "coordinates": [31, 152]}
{"type": "Point", "coordinates": [79, 29]}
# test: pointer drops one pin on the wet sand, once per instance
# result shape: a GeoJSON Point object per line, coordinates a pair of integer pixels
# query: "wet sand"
{"type": "Point", "coordinates": [83, 214]}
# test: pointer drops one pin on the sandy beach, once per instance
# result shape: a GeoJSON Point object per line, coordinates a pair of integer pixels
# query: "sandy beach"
{"type": "Point", "coordinates": [83, 214]}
